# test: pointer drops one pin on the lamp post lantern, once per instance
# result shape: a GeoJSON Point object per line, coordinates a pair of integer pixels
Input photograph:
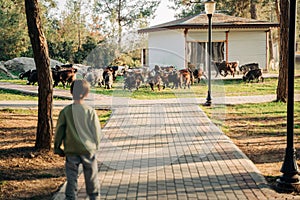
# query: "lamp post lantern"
{"type": "Point", "coordinates": [290, 179]}
{"type": "Point", "coordinates": [209, 10]}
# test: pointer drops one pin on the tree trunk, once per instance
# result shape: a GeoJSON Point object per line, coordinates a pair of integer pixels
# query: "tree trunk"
{"type": "Point", "coordinates": [271, 52]}
{"type": "Point", "coordinates": [79, 25]}
{"type": "Point", "coordinates": [253, 10]}
{"type": "Point", "coordinates": [283, 62]}
{"type": "Point", "coordinates": [277, 9]}
{"type": "Point", "coordinates": [42, 62]}
{"type": "Point", "coordinates": [119, 25]}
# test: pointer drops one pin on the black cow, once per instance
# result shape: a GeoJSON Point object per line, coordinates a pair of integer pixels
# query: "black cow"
{"type": "Point", "coordinates": [155, 80]}
{"type": "Point", "coordinates": [114, 70]}
{"type": "Point", "coordinates": [132, 79]}
{"type": "Point", "coordinates": [63, 67]}
{"type": "Point", "coordinates": [135, 77]}
{"type": "Point", "coordinates": [254, 74]}
{"type": "Point", "coordinates": [175, 78]}
{"type": "Point", "coordinates": [31, 75]}
{"type": "Point", "coordinates": [247, 67]}
{"type": "Point", "coordinates": [65, 75]}
{"type": "Point", "coordinates": [108, 79]}
{"type": "Point", "coordinates": [129, 81]}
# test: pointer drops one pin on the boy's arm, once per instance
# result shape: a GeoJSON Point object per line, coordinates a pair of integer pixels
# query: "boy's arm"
{"type": "Point", "coordinates": [97, 129]}
{"type": "Point", "coordinates": [59, 134]}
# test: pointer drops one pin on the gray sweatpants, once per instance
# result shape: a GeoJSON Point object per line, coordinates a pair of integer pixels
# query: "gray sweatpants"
{"type": "Point", "coordinates": [90, 170]}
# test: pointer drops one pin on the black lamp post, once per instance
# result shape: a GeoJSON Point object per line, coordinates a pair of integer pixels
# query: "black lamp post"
{"type": "Point", "coordinates": [209, 9]}
{"type": "Point", "coordinates": [289, 181]}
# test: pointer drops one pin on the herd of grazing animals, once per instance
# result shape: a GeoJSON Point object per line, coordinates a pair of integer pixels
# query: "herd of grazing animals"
{"type": "Point", "coordinates": [65, 74]}
{"type": "Point", "coordinates": [134, 78]}
{"type": "Point", "coordinates": [161, 77]}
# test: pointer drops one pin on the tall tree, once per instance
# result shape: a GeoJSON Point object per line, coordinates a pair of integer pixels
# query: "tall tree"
{"type": "Point", "coordinates": [283, 57]}
{"type": "Point", "coordinates": [253, 10]}
{"type": "Point", "coordinates": [42, 62]}
{"type": "Point", "coordinates": [239, 8]}
{"type": "Point", "coordinates": [186, 8]}
{"type": "Point", "coordinates": [13, 40]}
{"type": "Point", "coordinates": [77, 19]}
{"type": "Point", "coordinates": [125, 13]}
{"type": "Point", "coordinates": [71, 33]}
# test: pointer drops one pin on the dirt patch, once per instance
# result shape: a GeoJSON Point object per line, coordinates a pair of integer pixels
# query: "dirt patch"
{"type": "Point", "coordinates": [24, 172]}
{"type": "Point", "coordinates": [263, 140]}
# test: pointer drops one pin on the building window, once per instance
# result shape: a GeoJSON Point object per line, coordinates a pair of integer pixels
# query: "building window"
{"type": "Point", "coordinates": [144, 57]}
{"type": "Point", "coordinates": [218, 51]}
{"type": "Point", "coordinates": [196, 53]}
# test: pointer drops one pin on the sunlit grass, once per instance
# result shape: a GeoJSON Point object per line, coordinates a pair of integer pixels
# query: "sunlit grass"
{"type": "Point", "coordinates": [15, 81]}
{"type": "Point", "coordinates": [220, 88]}
{"type": "Point", "coordinates": [19, 111]}
{"type": "Point", "coordinates": [256, 119]}
{"type": "Point", "coordinates": [14, 95]}
{"type": "Point", "coordinates": [7, 95]}
{"type": "Point", "coordinates": [104, 116]}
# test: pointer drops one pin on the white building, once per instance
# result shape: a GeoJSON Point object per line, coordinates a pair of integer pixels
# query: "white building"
{"type": "Point", "coordinates": [184, 41]}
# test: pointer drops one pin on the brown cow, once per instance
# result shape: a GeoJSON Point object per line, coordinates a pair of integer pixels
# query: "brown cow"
{"type": "Point", "coordinates": [175, 78]}
{"type": "Point", "coordinates": [186, 75]}
{"type": "Point", "coordinates": [224, 68]}
{"type": "Point", "coordinates": [234, 67]}
{"type": "Point", "coordinates": [63, 75]}
{"type": "Point", "coordinates": [133, 79]}
{"type": "Point", "coordinates": [198, 73]}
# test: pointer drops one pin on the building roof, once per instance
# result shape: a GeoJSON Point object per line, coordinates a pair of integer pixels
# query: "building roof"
{"type": "Point", "coordinates": [219, 21]}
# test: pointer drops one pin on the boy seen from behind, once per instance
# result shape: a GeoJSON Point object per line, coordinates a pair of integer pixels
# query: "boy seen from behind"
{"type": "Point", "coordinates": [78, 131]}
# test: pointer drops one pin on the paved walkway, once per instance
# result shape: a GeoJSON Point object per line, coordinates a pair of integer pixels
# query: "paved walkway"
{"type": "Point", "coordinates": [169, 149]}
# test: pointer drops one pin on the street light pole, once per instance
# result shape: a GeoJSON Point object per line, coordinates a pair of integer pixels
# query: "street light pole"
{"type": "Point", "coordinates": [209, 9]}
{"type": "Point", "coordinates": [290, 179]}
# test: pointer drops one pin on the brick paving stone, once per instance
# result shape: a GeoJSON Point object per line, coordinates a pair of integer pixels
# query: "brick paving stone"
{"type": "Point", "coordinates": [229, 193]}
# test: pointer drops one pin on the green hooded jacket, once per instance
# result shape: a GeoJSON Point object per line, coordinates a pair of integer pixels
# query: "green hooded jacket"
{"type": "Point", "coordinates": [78, 129]}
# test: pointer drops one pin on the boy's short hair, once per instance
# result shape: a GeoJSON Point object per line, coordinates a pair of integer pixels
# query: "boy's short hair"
{"type": "Point", "coordinates": [79, 89]}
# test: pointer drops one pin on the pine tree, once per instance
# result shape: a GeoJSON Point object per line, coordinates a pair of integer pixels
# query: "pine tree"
{"type": "Point", "coordinates": [124, 13]}
{"type": "Point", "coordinates": [14, 39]}
{"type": "Point", "coordinates": [42, 62]}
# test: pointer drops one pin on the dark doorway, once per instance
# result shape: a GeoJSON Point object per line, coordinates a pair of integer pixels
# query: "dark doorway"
{"type": "Point", "coordinates": [196, 53]}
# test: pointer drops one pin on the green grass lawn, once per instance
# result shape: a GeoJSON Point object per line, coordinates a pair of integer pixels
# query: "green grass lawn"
{"type": "Point", "coordinates": [13, 95]}
{"type": "Point", "coordinates": [8, 95]}
{"type": "Point", "coordinates": [220, 88]}
{"type": "Point", "coordinates": [259, 119]}
{"type": "Point", "coordinates": [254, 120]}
